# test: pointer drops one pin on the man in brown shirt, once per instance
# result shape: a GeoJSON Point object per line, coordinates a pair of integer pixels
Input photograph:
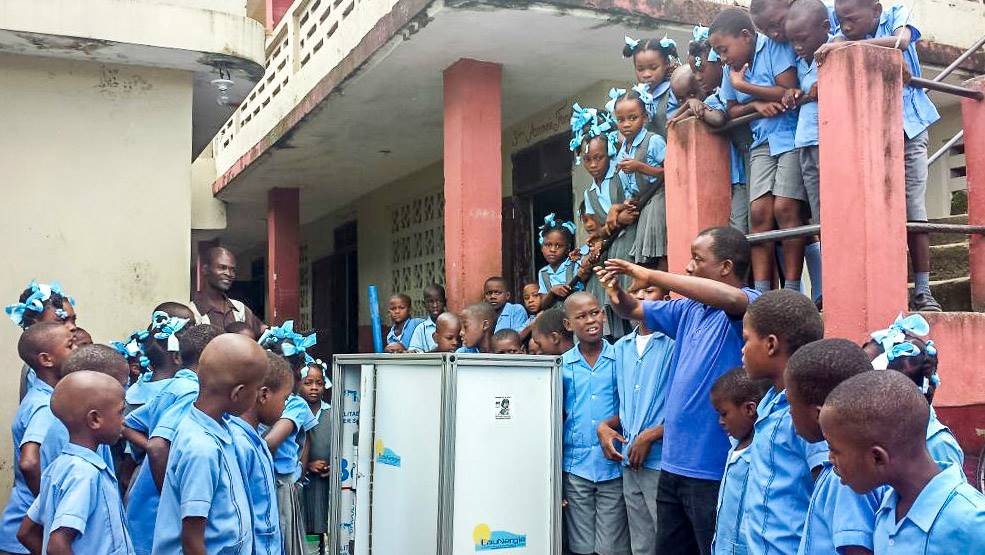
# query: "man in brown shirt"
{"type": "Point", "coordinates": [212, 305]}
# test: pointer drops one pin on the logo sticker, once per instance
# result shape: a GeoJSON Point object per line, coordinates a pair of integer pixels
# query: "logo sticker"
{"type": "Point", "coordinates": [504, 409]}
{"type": "Point", "coordinates": [487, 539]}
{"type": "Point", "coordinates": [385, 455]}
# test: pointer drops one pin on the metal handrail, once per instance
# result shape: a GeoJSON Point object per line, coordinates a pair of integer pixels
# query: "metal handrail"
{"type": "Point", "coordinates": [815, 229]}
{"type": "Point", "coordinates": [946, 88]}
{"type": "Point", "coordinates": [964, 56]}
{"type": "Point", "coordinates": [947, 146]}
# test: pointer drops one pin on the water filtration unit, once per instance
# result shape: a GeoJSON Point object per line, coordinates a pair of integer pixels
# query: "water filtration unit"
{"type": "Point", "coordinates": [446, 454]}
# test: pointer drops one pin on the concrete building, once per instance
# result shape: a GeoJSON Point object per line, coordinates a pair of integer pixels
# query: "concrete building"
{"type": "Point", "coordinates": [105, 104]}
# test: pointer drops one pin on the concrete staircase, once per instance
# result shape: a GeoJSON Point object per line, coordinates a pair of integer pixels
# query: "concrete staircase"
{"type": "Point", "coordinates": [949, 260]}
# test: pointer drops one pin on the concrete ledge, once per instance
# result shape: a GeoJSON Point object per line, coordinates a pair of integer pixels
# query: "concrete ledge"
{"type": "Point", "coordinates": [958, 337]}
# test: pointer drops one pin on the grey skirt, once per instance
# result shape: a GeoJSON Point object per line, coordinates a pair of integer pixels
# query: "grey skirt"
{"type": "Point", "coordinates": [289, 504]}
{"type": "Point", "coordinates": [651, 230]}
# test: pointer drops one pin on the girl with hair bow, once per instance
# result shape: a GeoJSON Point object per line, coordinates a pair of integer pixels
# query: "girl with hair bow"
{"type": "Point", "coordinates": [557, 239]}
{"type": "Point", "coordinates": [654, 60]}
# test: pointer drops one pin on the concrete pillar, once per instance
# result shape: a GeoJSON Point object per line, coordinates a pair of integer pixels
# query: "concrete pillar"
{"type": "Point", "coordinates": [863, 198]}
{"type": "Point", "coordinates": [283, 256]}
{"type": "Point", "coordinates": [473, 179]}
{"type": "Point", "coordinates": [698, 184]}
{"type": "Point", "coordinates": [200, 261]}
{"type": "Point", "coordinates": [973, 119]}
{"type": "Point", "coordinates": [275, 11]}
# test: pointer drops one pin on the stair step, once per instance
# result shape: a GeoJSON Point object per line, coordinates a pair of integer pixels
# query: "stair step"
{"type": "Point", "coordinates": [947, 261]}
{"type": "Point", "coordinates": [947, 238]}
{"type": "Point", "coordinates": [953, 294]}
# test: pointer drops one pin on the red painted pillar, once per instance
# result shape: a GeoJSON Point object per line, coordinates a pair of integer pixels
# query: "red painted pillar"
{"type": "Point", "coordinates": [283, 255]}
{"type": "Point", "coordinates": [473, 179]}
{"type": "Point", "coordinates": [275, 11]}
{"type": "Point", "coordinates": [973, 118]}
{"type": "Point", "coordinates": [863, 199]}
{"type": "Point", "coordinates": [698, 184]}
{"type": "Point", "coordinates": [200, 261]}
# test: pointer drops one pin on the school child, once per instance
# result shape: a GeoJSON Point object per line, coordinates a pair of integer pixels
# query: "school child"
{"type": "Point", "coordinates": [241, 328]}
{"type": "Point", "coordinates": [153, 376]}
{"type": "Point", "coordinates": [550, 334]}
{"type": "Point", "coordinates": [255, 461]}
{"type": "Point", "coordinates": [735, 398]}
{"type": "Point", "coordinates": [865, 21]}
{"type": "Point", "coordinates": [595, 515]}
{"type": "Point", "coordinates": [684, 84]}
{"type": "Point", "coordinates": [531, 301]}
{"type": "Point", "coordinates": [477, 328]}
{"type": "Point", "coordinates": [707, 320]}
{"type": "Point", "coordinates": [556, 243]}
{"type": "Point", "coordinates": [204, 505]}
{"type": "Point", "coordinates": [82, 337]}
{"type": "Point", "coordinates": [770, 17]}
{"type": "Point", "coordinates": [781, 463]}
{"type": "Point", "coordinates": [838, 519]}
{"type": "Point", "coordinates": [447, 333]}
{"type": "Point", "coordinates": [654, 61]}
{"type": "Point", "coordinates": [507, 342]}
{"type": "Point", "coordinates": [315, 493]}
{"type": "Point", "coordinates": [78, 508]}
{"type": "Point", "coordinates": [759, 71]}
{"type": "Point", "coordinates": [902, 347]}
{"type": "Point", "coordinates": [422, 341]}
{"type": "Point", "coordinates": [642, 374]}
{"type": "Point", "coordinates": [508, 315]}
{"type": "Point", "coordinates": [398, 338]}
{"type": "Point", "coordinates": [588, 256]}
{"type": "Point", "coordinates": [875, 423]}
{"type": "Point", "coordinates": [44, 347]}
{"type": "Point", "coordinates": [40, 302]}
{"type": "Point", "coordinates": [640, 162]}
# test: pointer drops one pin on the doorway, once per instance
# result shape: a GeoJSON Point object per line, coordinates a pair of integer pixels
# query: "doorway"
{"type": "Point", "coordinates": [335, 296]}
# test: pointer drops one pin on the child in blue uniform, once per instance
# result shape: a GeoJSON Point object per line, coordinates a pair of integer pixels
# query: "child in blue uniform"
{"type": "Point", "coordinates": [642, 375]}
{"type": "Point", "coordinates": [758, 74]}
{"type": "Point", "coordinates": [770, 17]}
{"type": "Point", "coordinates": [40, 302]}
{"type": "Point", "coordinates": [477, 328]}
{"type": "Point", "coordinates": [447, 333]}
{"type": "Point", "coordinates": [776, 325]}
{"type": "Point", "coordinates": [496, 292]}
{"type": "Point", "coordinates": [204, 505]}
{"type": "Point", "coordinates": [735, 398]}
{"type": "Point", "coordinates": [404, 324]}
{"type": "Point", "coordinates": [875, 424]}
{"type": "Point", "coordinates": [254, 458]}
{"type": "Point", "coordinates": [78, 508]}
{"type": "Point", "coordinates": [595, 515]}
{"type": "Point", "coordinates": [422, 341]}
{"type": "Point", "coordinates": [550, 334]}
{"type": "Point", "coordinates": [507, 342]}
{"type": "Point", "coordinates": [556, 242]}
{"type": "Point", "coordinates": [531, 301]}
{"type": "Point", "coordinates": [838, 519]}
{"type": "Point", "coordinates": [654, 61]}
{"type": "Point", "coordinates": [44, 347]}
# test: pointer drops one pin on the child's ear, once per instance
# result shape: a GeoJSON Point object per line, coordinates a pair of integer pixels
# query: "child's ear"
{"type": "Point", "coordinates": [772, 345]}
{"type": "Point", "coordinates": [236, 392]}
{"type": "Point", "coordinates": [728, 266]}
{"type": "Point", "coordinates": [567, 325]}
{"type": "Point", "coordinates": [749, 409]}
{"type": "Point", "coordinates": [176, 357]}
{"type": "Point", "coordinates": [93, 420]}
{"type": "Point", "coordinates": [45, 360]}
{"type": "Point", "coordinates": [877, 10]}
{"type": "Point", "coordinates": [263, 395]}
{"type": "Point", "coordinates": [880, 457]}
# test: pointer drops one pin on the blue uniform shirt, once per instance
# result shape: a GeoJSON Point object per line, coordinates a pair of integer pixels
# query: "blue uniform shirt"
{"type": "Point", "coordinates": [557, 276]}
{"type": "Point", "coordinates": [708, 344]}
{"type": "Point", "coordinates": [405, 334]}
{"type": "Point", "coordinates": [655, 153]}
{"type": "Point", "coordinates": [941, 442]}
{"type": "Point", "coordinates": [590, 398]}
{"type": "Point", "coordinates": [780, 480]}
{"type": "Point", "coordinates": [737, 162]}
{"type": "Point", "coordinates": [55, 441]}
{"type": "Point", "coordinates": [770, 60]}
{"type": "Point", "coordinates": [204, 480]}
{"type": "Point", "coordinates": [603, 192]}
{"type": "Point", "coordinates": [287, 459]}
{"type": "Point", "coordinates": [27, 427]}
{"type": "Point", "coordinates": [79, 491]}
{"type": "Point", "coordinates": [513, 317]}
{"type": "Point", "coordinates": [947, 518]}
{"type": "Point", "coordinates": [837, 517]}
{"type": "Point", "coordinates": [423, 338]}
{"type": "Point", "coordinates": [807, 115]}
{"type": "Point", "coordinates": [144, 389]}
{"type": "Point", "coordinates": [257, 467]}
{"type": "Point", "coordinates": [729, 539]}
{"type": "Point", "coordinates": [641, 383]}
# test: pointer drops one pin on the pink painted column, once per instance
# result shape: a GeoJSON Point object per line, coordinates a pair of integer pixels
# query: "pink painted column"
{"type": "Point", "coordinates": [698, 185]}
{"type": "Point", "coordinates": [283, 256]}
{"type": "Point", "coordinates": [473, 179]}
{"type": "Point", "coordinates": [973, 118]}
{"type": "Point", "coordinates": [275, 11]}
{"type": "Point", "coordinates": [863, 199]}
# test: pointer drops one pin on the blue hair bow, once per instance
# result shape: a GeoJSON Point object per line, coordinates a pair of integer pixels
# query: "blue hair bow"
{"type": "Point", "coordinates": [166, 326]}
{"type": "Point", "coordinates": [588, 123]}
{"type": "Point", "coordinates": [632, 43]}
{"type": "Point", "coordinates": [551, 223]}
{"type": "Point", "coordinates": [700, 34]}
{"type": "Point", "coordinates": [646, 96]}
{"type": "Point", "coordinates": [324, 370]}
{"type": "Point", "coordinates": [291, 343]}
{"type": "Point", "coordinates": [131, 348]}
{"type": "Point", "coordinates": [40, 293]}
{"type": "Point", "coordinates": [614, 95]}
{"type": "Point", "coordinates": [893, 339]}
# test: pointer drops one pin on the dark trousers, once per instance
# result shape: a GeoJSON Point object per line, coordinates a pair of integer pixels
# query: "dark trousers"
{"type": "Point", "coordinates": [685, 514]}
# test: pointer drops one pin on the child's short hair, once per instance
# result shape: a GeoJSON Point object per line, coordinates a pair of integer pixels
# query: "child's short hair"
{"type": "Point", "coordinates": [237, 327]}
{"type": "Point", "coordinates": [483, 311]}
{"type": "Point", "coordinates": [435, 289]}
{"type": "Point", "coordinates": [801, 8]}
{"type": "Point", "coordinates": [175, 310]}
{"type": "Point", "coordinates": [629, 96]}
{"type": "Point", "coordinates": [737, 387]}
{"type": "Point", "coordinates": [818, 367]}
{"type": "Point", "coordinates": [732, 21]}
{"type": "Point", "coordinates": [37, 339]}
{"type": "Point", "coordinates": [788, 315]}
{"type": "Point", "coordinates": [402, 297]}
{"type": "Point", "coordinates": [496, 279]}
{"type": "Point", "coordinates": [507, 334]}
{"type": "Point", "coordinates": [881, 408]}
{"type": "Point", "coordinates": [665, 46]}
{"type": "Point", "coordinates": [729, 243]}
{"type": "Point", "coordinates": [552, 321]}
{"type": "Point", "coordinates": [97, 358]}
{"type": "Point", "coordinates": [278, 372]}
{"type": "Point", "coordinates": [193, 340]}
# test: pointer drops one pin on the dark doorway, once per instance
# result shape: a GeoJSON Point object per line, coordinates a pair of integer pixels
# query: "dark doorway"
{"type": "Point", "coordinates": [335, 296]}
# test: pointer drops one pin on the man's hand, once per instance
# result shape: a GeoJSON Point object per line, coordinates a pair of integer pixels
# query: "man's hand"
{"type": "Point", "coordinates": [615, 267]}
{"type": "Point", "coordinates": [561, 291]}
{"type": "Point", "coordinates": [608, 437]}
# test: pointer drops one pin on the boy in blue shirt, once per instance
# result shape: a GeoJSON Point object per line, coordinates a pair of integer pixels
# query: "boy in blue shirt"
{"type": "Point", "coordinates": [781, 463]}
{"type": "Point", "coordinates": [508, 315]}
{"type": "Point", "coordinates": [864, 21]}
{"type": "Point", "coordinates": [838, 519]}
{"type": "Point", "coordinates": [404, 324]}
{"type": "Point", "coordinates": [735, 398]}
{"type": "Point", "coordinates": [642, 375]}
{"type": "Point", "coordinates": [44, 347]}
{"type": "Point", "coordinates": [434, 301]}
{"type": "Point", "coordinates": [875, 423]}
{"type": "Point", "coordinates": [478, 321]}
{"type": "Point", "coordinates": [595, 515]}
{"type": "Point", "coordinates": [550, 334]}
{"type": "Point", "coordinates": [706, 328]}
{"type": "Point", "coordinates": [78, 509]}
{"type": "Point", "coordinates": [204, 505]}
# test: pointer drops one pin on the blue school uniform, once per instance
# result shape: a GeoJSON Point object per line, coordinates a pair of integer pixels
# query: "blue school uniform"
{"type": "Point", "coordinates": [513, 317]}
{"type": "Point", "coordinates": [405, 334]}
{"type": "Point", "coordinates": [590, 397]}
{"type": "Point", "coordinates": [548, 277]}
{"type": "Point", "coordinates": [287, 459]}
{"type": "Point", "coordinates": [143, 390]}
{"type": "Point", "coordinates": [422, 339]}
{"type": "Point", "coordinates": [709, 343]}
{"type": "Point", "coordinates": [780, 480]}
{"type": "Point", "coordinates": [837, 517]}
{"type": "Point", "coordinates": [729, 539]}
{"type": "Point", "coordinates": [204, 480]}
{"type": "Point", "coordinates": [947, 517]}
{"type": "Point", "coordinates": [26, 428]}
{"type": "Point", "coordinates": [79, 492]}
{"type": "Point", "coordinates": [57, 438]}
{"type": "Point", "coordinates": [641, 384]}
{"type": "Point", "coordinates": [737, 162]}
{"type": "Point", "coordinates": [807, 129]}
{"type": "Point", "coordinates": [655, 154]}
{"type": "Point", "coordinates": [257, 466]}
{"type": "Point", "coordinates": [604, 196]}
{"type": "Point", "coordinates": [770, 59]}
{"type": "Point", "coordinates": [941, 443]}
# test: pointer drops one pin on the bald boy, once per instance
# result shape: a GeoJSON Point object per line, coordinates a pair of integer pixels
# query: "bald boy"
{"type": "Point", "coordinates": [447, 333]}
